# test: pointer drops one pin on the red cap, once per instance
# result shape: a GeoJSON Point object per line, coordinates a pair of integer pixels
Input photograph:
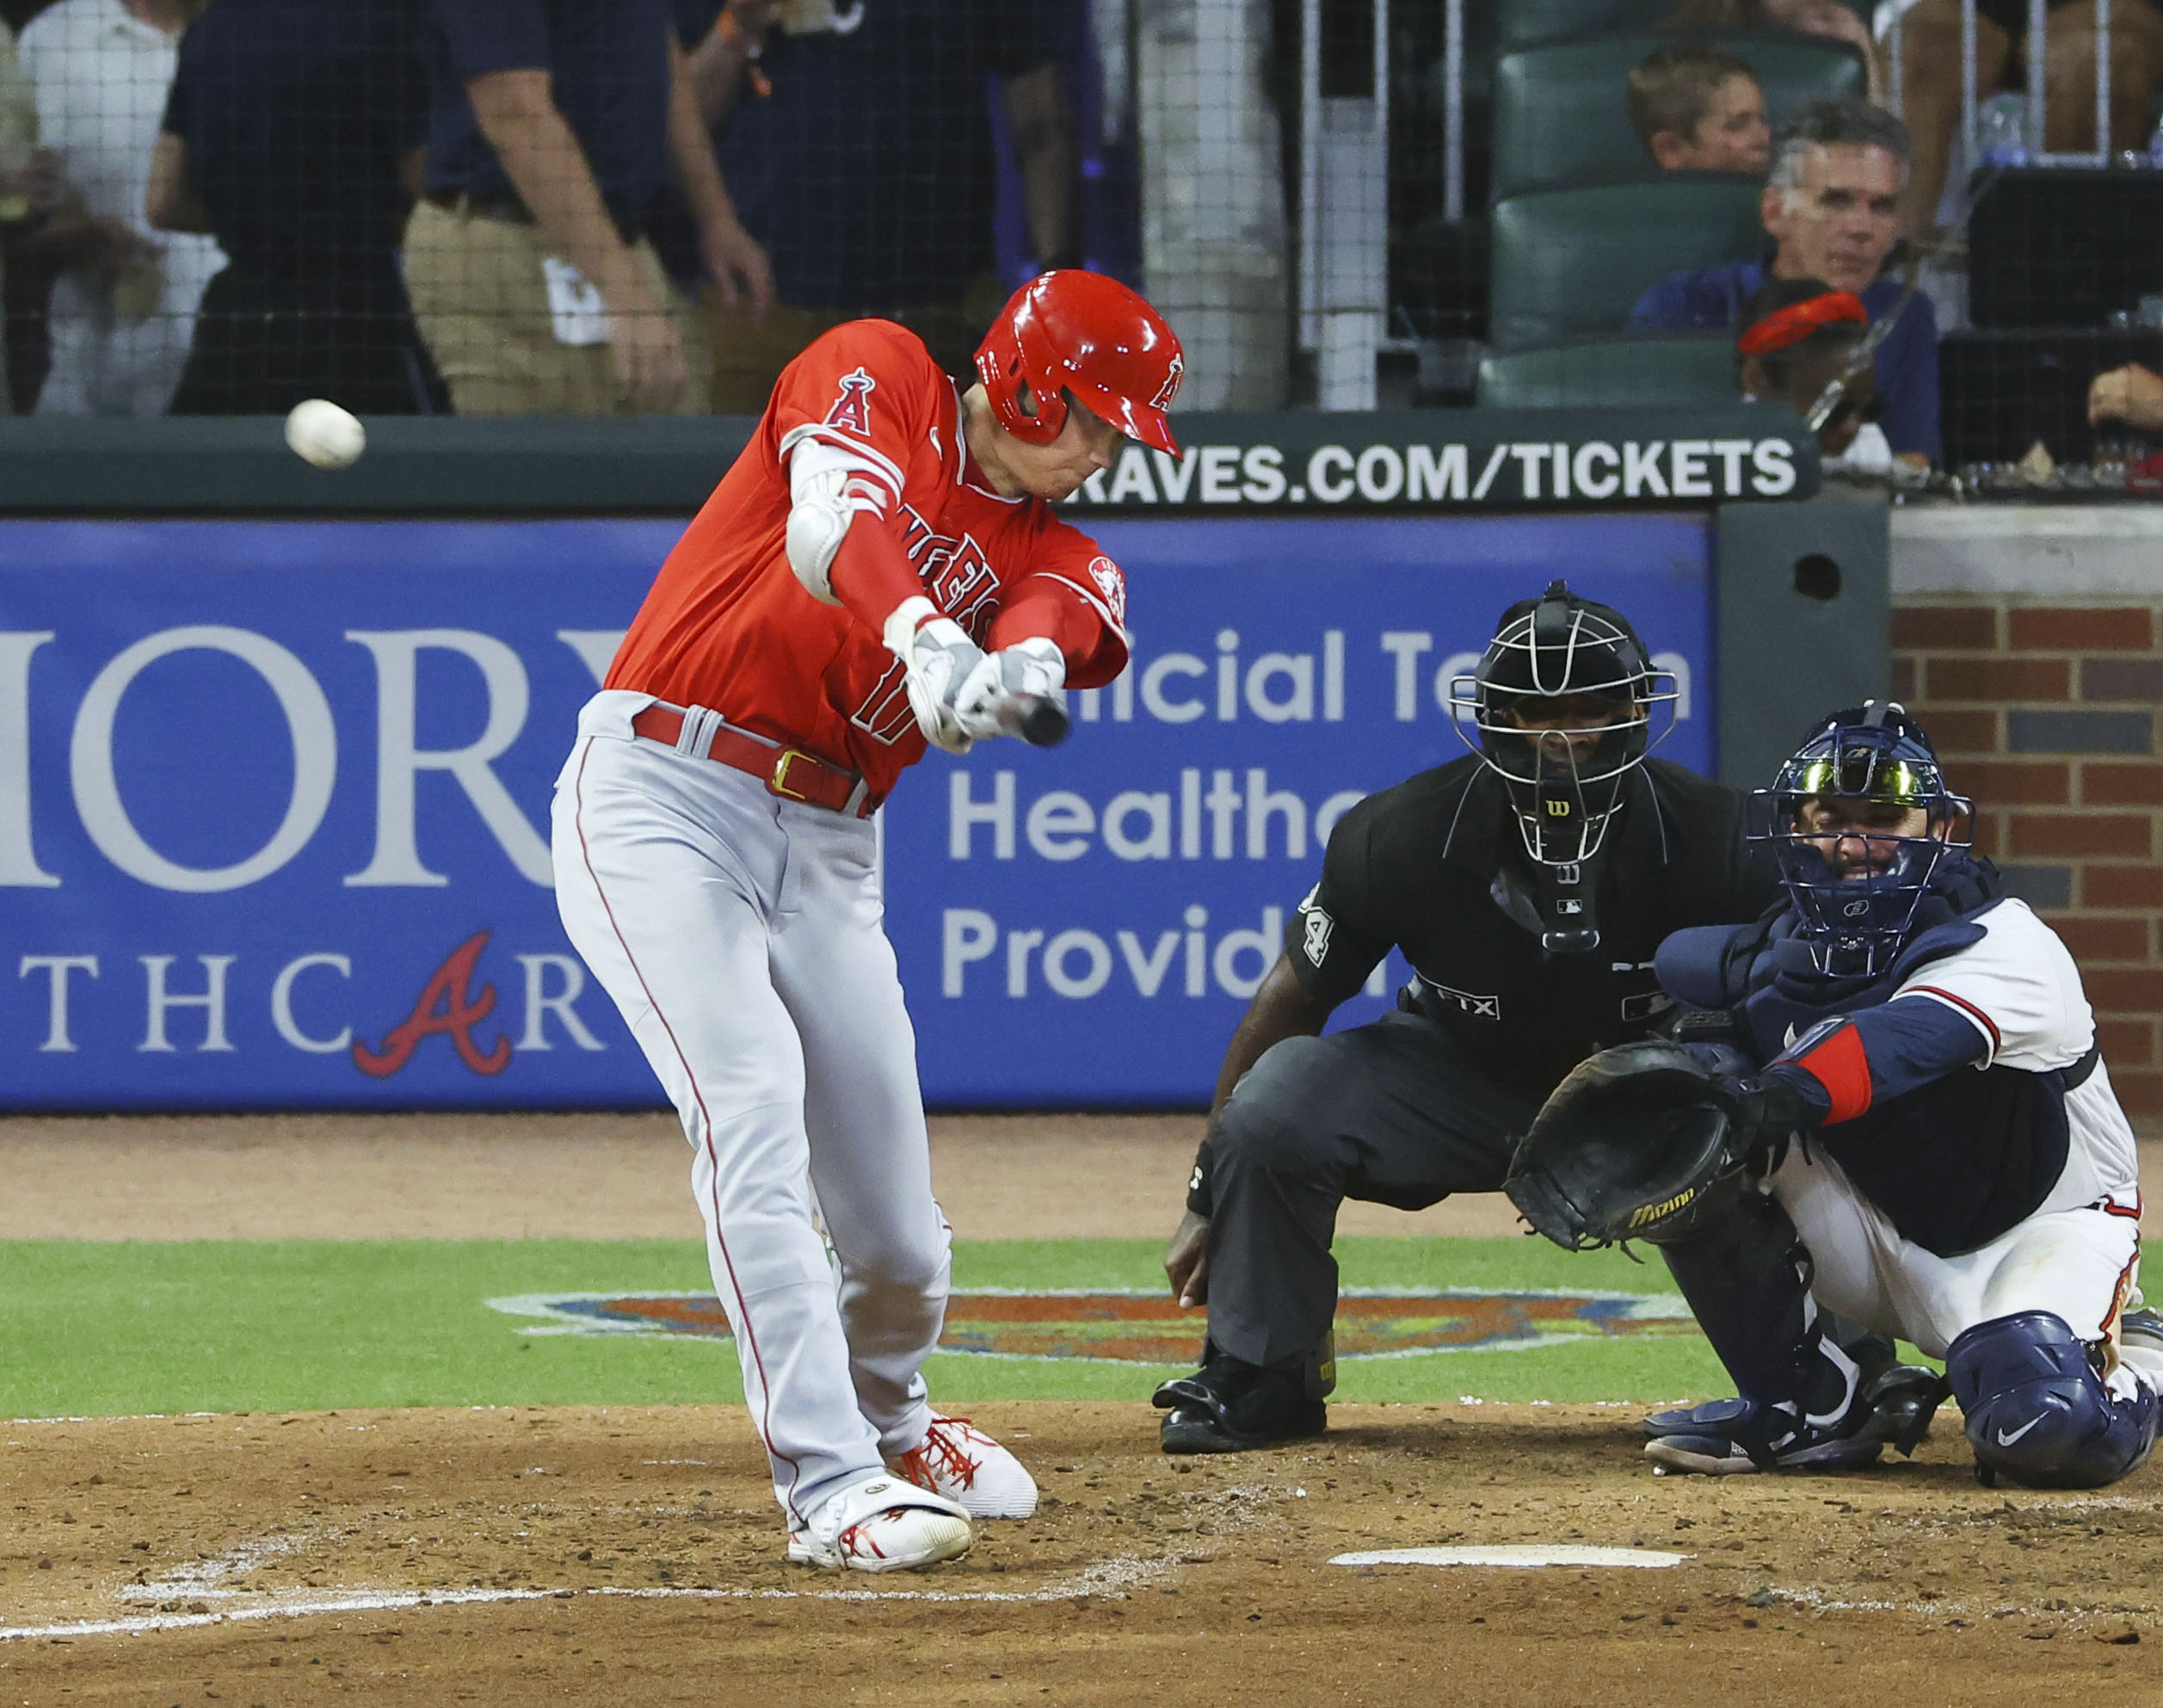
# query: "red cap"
{"type": "Point", "coordinates": [1083, 333]}
{"type": "Point", "coordinates": [1797, 321]}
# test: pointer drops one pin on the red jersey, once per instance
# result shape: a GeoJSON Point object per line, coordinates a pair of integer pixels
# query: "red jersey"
{"type": "Point", "coordinates": [728, 626]}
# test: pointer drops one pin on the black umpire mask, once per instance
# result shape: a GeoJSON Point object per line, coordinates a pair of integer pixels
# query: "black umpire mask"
{"type": "Point", "coordinates": [1563, 701]}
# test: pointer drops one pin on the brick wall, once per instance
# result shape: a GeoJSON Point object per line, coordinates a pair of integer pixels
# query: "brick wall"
{"type": "Point", "coordinates": [2046, 713]}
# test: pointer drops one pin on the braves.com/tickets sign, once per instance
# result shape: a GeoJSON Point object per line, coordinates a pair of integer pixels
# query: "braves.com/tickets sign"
{"type": "Point", "coordinates": [274, 801]}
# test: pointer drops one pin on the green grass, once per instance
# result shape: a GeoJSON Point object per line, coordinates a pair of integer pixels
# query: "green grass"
{"type": "Point", "coordinates": [94, 1329]}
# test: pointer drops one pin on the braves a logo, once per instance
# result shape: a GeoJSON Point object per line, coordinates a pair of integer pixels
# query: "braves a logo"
{"type": "Point", "coordinates": [448, 1005]}
{"type": "Point", "coordinates": [1169, 389]}
{"type": "Point", "coordinates": [1111, 581]}
{"type": "Point", "coordinates": [852, 408]}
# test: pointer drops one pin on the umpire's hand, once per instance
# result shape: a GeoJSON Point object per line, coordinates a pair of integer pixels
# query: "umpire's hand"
{"type": "Point", "coordinates": [1186, 1260]}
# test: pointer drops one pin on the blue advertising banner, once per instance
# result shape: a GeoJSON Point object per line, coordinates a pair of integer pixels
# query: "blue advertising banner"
{"type": "Point", "coordinates": [273, 800]}
{"type": "Point", "coordinates": [1083, 927]}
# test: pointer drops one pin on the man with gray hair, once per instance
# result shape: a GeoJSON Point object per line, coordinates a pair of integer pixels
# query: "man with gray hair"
{"type": "Point", "coordinates": [1832, 207]}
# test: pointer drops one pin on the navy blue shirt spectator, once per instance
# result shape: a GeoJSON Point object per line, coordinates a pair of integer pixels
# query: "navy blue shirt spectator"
{"type": "Point", "coordinates": [296, 115]}
{"type": "Point", "coordinates": [1831, 206]}
{"type": "Point", "coordinates": [292, 132]}
{"type": "Point", "coordinates": [1905, 363]}
{"type": "Point", "coordinates": [868, 173]}
{"type": "Point", "coordinates": [607, 62]}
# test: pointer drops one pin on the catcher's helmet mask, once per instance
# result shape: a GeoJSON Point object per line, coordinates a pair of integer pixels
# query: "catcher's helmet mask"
{"type": "Point", "coordinates": [1562, 793]}
{"type": "Point", "coordinates": [1856, 917]}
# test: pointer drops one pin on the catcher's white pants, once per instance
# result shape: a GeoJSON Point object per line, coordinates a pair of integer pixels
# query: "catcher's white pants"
{"type": "Point", "coordinates": [741, 936]}
{"type": "Point", "coordinates": [2077, 1256]}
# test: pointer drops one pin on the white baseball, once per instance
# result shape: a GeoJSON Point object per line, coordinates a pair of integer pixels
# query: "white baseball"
{"type": "Point", "coordinates": [322, 433]}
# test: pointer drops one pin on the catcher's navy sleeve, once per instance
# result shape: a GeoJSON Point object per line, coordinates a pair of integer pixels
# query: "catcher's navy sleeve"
{"type": "Point", "coordinates": [1843, 1065]}
{"type": "Point", "coordinates": [2012, 1000]}
{"type": "Point", "coordinates": [1700, 967]}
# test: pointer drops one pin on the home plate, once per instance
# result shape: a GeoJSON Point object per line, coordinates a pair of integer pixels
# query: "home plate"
{"type": "Point", "coordinates": [1512, 1554]}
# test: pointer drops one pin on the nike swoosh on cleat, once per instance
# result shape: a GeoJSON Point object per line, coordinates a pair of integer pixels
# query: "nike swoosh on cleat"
{"type": "Point", "coordinates": [2005, 1441]}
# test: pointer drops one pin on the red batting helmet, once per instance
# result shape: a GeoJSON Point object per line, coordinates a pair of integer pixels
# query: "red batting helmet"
{"type": "Point", "coordinates": [1080, 332]}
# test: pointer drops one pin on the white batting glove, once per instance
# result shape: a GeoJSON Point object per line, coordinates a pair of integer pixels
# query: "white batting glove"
{"type": "Point", "coordinates": [1035, 666]}
{"type": "Point", "coordinates": [939, 657]}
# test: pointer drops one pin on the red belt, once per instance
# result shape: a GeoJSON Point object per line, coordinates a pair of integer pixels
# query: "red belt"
{"type": "Point", "coordinates": [788, 772]}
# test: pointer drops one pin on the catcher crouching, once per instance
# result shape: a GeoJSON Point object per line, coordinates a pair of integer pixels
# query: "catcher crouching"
{"type": "Point", "coordinates": [1891, 1106]}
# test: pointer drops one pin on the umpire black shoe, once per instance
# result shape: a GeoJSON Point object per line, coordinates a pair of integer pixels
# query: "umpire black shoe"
{"type": "Point", "coordinates": [1228, 1406]}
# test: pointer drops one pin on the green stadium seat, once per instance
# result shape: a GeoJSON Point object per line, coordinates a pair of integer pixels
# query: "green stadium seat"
{"type": "Point", "coordinates": [1568, 263]}
{"type": "Point", "coordinates": [1691, 367]}
{"type": "Point", "coordinates": [1526, 22]}
{"type": "Point", "coordinates": [1561, 114]}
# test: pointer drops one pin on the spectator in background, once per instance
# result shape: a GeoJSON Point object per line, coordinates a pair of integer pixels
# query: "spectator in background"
{"type": "Point", "coordinates": [123, 311]}
{"type": "Point", "coordinates": [2128, 397]}
{"type": "Point", "coordinates": [1698, 107]}
{"type": "Point", "coordinates": [1797, 341]}
{"type": "Point", "coordinates": [294, 133]}
{"type": "Point", "coordinates": [556, 124]}
{"type": "Point", "coordinates": [18, 142]}
{"type": "Point", "coordinates": [1828, 18]}
{"type": "Point", "coordinates": [1931, 79]}
{"type": "Point", "coordinates": [1832, 208]}
{"type": "Point", "coordinates": [868, 172]}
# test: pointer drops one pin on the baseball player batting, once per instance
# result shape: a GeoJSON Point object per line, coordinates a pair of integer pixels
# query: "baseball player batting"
{"type": "Point", "coordinates": [879, 570]}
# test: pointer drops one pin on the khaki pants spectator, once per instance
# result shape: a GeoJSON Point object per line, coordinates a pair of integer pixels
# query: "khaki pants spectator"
{"type": "Point", "coordinates": [749, 357]}
{"type": "Point", "coordinates": [481, 300]}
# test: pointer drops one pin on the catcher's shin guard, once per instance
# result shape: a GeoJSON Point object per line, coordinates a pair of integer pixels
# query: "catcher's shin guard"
{"type": "Point", "coordinates": [2039, 1411]}
{"type": "Point", "coordinates": [1747, 1277]}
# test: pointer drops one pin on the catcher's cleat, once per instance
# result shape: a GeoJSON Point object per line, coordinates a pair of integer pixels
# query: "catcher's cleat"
{"type": "Point", "coordinates": [1740, 1435]}
{"type": "Point", "coordinates": [881, 1524]}
{"type": "Point", "coordinates": [1228, 1406]}
{"type": "Point", "coordinates": [1729, 1437]}
{"type": "Point", "coordinates": [1902, 1398]}
{"type": "Point", "coordinates": [958, 1460]}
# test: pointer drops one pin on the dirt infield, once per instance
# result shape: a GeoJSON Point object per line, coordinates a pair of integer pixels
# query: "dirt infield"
{"type": "Point", "coordinates": [485, 1176]}
{"type": "Point", "coordinates": [635, 1557]}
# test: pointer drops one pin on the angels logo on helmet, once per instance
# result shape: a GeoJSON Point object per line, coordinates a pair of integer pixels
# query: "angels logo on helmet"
{"type": "Point", "coordinates": [1080, 335]}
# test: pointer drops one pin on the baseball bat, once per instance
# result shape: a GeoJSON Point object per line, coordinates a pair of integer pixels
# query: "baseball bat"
{"type": "Point", "coordinates": [1037, 719]}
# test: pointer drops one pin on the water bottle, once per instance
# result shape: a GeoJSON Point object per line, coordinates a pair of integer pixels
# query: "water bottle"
{"type": "Point", "coordinates": [2001, 131]}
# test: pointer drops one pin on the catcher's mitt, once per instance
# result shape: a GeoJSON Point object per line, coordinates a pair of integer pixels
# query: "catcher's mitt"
{"type": "Point", "coordinates": [1639, 1139]}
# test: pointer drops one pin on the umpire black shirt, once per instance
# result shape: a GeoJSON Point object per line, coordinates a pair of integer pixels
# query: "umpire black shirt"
{"type": "Point", "coordinates": [1421, 866]}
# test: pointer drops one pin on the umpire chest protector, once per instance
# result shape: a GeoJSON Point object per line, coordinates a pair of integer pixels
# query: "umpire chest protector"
{"type": "Point", "coordinates": [1430, 866]}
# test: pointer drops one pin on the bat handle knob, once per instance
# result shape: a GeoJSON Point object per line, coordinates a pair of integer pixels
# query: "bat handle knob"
{"type": "Point", "coordinates": [1038, 720]}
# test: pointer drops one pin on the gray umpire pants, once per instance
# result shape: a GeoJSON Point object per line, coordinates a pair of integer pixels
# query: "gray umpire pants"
{"type": "Point", "coordinates": [1390, 1113]}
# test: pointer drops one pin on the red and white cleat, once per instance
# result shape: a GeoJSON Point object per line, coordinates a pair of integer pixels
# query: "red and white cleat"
{"type": "Point", "coordinates": [882, 1524]}
{"type": "Point", "coordinates": [958, 1460]}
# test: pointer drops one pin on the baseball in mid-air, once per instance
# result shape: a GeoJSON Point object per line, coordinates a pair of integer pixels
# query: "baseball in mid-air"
{"type": "Point", "coordinates": [322, 433]}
